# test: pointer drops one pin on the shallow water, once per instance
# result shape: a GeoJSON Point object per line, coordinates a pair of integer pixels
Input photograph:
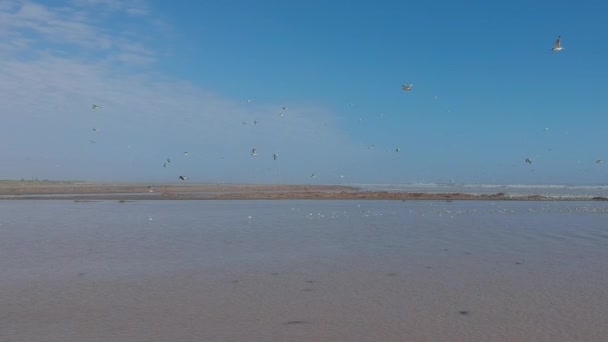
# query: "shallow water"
{"type": "Point", "coordinates": [303, 270]}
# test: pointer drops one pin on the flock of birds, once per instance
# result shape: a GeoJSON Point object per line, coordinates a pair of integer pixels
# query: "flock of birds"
{"type": "Point", "coordinates": [557, 47]}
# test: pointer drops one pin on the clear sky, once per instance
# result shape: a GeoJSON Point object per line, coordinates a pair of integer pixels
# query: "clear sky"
{"type": "Point", "coordinates": [211, 78]}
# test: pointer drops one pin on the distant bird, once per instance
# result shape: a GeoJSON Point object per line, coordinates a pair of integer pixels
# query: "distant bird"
{"type": "Point", "coordinates": [599, 161]}
{"type": "Point", "coordinates": [275, 156]}
{"type": "Point", "coordinates": [186, 153]}
{"type": "Point", "coordinates": [183, 177]}
{"type": "Point", "coordinates": [244, 123]}
{"type": "Point", "coordinates": [371, 147]}
{"type": "Point", "coordinates": [165, 164]}
{"type": "Point", "coordinates": [528, 160]}
{"type": "Point", "coordinates": [313, 176]}
{"type": "Point", "coordinates": [95, 106]}
{"type": "Point", "coordinates": [397, 149]}
{"type": "Point", "coordinates": [284, 108]}
{"type": "Point", "coordinates": [557, 47]}
{"type": "Point", "coordinates": [406, 87]}
{"type": "Point", "coordinates": [255, 122]}
{"type": "Point", "coordinates": [248, 101]}
{"type": "Point", "coordinates": [96, 129]}
{"type": "Point", "coordinates": [92, 141]}
{"type": "Point", "coordinates": [254, 152]}
{"type": "Point", "coordinates": [168, 160]}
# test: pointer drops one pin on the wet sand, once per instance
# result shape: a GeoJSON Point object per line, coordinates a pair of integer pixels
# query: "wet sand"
{"type": "Point", "coordinates": [303, 271]}
{"type": "Point", "coordinates": [82, 191]}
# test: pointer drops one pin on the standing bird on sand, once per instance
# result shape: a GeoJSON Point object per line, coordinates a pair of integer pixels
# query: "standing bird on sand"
{"type": "Point", "coordinates": [557, 47]}
{"type": "Point", "coordinates": [407, 87]}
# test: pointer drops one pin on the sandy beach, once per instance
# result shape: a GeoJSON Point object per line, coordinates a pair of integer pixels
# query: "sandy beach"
{"type": "Point", "coordinates": [303, 270]}
{"type": "Point", "coordinates": [80, 191]}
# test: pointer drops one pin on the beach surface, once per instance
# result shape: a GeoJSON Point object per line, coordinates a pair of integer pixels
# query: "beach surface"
{"type": "Point", "coordinates": [190, 191]}
{"type": "Point", "coordinates": [303, 270]}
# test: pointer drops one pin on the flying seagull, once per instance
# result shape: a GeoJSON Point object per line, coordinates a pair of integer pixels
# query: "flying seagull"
{"type": "Point", "coordinates": [599, 161]}
{"type": "Point", "coordinates": [313, 176]}
{"type": "Point", "coordinates": [183, 177]}
{"type": "Point", "coordinates": [406, 87]}
{"type": "Point", "coordinates": [96, 129]}
{"type": "Point", "coordinates": [284, 108]}
{"type": "Point", "coordinates": [254, 152]}
{"type": "Point", "coordinates": [397, 149]}
{"type": "Point", "coordinates": [528, 160]}
{"type": "Point", "coordinates": [92, 141]}
{"type": "Point", "coordinates": [557, 47]}
{"type": "Point", "coordinates": [275, 156]}
{"type": "Point", "coordinates": [95, 106]}
{"type": "Point", "coordinates": [185, 153]}
{"type": "Point", "coordinates": [168, 160]}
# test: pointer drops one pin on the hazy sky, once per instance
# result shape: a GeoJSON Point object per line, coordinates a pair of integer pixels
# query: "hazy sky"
{"type": "Point", "coordinates": [177, 76]}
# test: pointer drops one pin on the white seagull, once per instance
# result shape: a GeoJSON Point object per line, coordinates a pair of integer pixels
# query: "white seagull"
{"type": "Point", "coordinates": [275, 156]}
{"type": "Point", "coordinates": [557, 47]}
{"type": "Point", "coordinates": [183, 177]}
{"type": "Point", "coordinates": [95, 106]}
{"type": "Point", "coordinates": [406, 87]}
{"type": "Point", "coordinates": [528, 160]}
{"type": "Point", "coordinates": [254, 152]}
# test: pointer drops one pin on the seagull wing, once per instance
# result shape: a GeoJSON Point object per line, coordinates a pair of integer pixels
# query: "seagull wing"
{"type": "Point", "coordinates": [558, 43]}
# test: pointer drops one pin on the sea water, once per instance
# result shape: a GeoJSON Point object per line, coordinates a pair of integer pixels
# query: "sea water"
{"type": "Point", "coordinates": [556, 191]}
{"type": "Point", "coordinates": [296, 270]}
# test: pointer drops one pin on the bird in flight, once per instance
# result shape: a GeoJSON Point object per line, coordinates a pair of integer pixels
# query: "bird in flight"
{"type": "Point", "coordinates": [406, 87]}
{"type": "Point", "coordinates": [528, 160]}
{"type": "Point", "coordinates": [275, 156]}
{"type": "Point", "coordinates": [557, 47]}
{"type": "Point", "coordinates": [183, 177]}
{"type": "Point", "coordinates": [254, 152]}
{"type": "Point", "coordinates": [599, 161]}
{"type": "Point", "coordinates": [95, 106]}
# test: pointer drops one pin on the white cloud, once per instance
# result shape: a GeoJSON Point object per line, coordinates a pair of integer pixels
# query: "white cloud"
{"type": "Point", "coordinates": [78, 30]}
{"type": "Point", "coordinates": [52, 76]}
{"type": "Point", "coordinates": [133, 7]}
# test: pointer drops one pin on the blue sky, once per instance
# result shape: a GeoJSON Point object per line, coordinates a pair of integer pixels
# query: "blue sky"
{"type": "Point", "coordinates": [488, 92]}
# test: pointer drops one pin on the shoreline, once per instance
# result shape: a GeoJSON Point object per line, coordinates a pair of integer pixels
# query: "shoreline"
{"type": "Point", "coordinates": [86, 191]}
